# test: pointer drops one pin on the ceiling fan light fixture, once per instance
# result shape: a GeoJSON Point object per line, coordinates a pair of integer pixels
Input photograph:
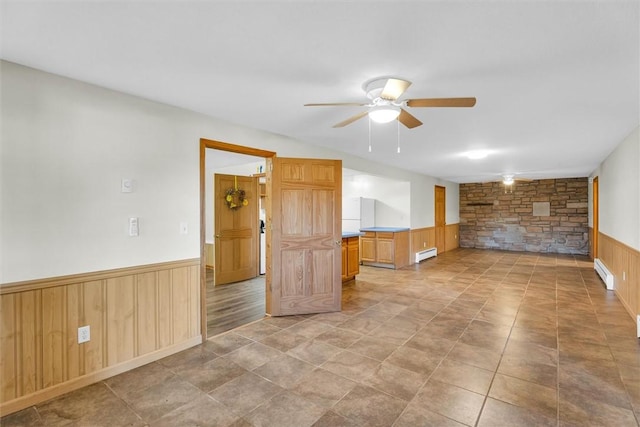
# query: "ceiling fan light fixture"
{"type": "Point", "coordinates": [384, 113]}
{"type": "Point", "coordinates": [477, 154]}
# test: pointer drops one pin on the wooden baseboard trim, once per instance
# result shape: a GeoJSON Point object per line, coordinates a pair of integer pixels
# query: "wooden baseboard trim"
{"type": "Point", "coordinates": [76, 383]}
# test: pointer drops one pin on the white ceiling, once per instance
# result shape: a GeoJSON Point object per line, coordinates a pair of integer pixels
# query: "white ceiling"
{"type": "Point", "coordinates": [557, 82]}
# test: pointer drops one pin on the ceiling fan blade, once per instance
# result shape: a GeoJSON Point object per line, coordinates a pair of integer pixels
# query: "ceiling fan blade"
{"type": "Point", "coordinates": [441, 102]}
{"type": "Point", "coordinates": [408, 120]}
{"type": "Point", "coordinates": [337, 104]}
{"type": "Point", "coordinates": [351, 120]}
{"type": "Point", "coordinates": [394, 88]}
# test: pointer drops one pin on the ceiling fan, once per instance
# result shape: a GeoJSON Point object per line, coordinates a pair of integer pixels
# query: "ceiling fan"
{"type": "Point", "coordinates": [384, 105]}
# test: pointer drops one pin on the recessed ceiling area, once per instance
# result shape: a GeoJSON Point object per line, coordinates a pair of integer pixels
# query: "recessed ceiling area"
{"type": "Point", "coordinates": [556, 83]}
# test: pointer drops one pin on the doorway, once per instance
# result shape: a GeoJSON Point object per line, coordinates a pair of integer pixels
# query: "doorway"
{"type": "Point", "coordinates": [237, 303]}
{"type": "Point", "coordinates": [303, 232]}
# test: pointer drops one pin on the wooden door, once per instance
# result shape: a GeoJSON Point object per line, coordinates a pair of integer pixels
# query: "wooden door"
{"type": "Point", "coordinates": [235, 228]}
{"type": "Point", "coordinates": [440, 217]}
{"type": "Point", "coordinates": [305, 236]}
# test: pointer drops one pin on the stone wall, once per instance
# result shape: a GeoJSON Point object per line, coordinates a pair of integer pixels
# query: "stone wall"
{"type": "Point", "coordinates": [548, 215]}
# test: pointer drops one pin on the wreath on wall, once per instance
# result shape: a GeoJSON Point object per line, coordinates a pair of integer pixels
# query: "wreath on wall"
{"type": "Point", "coordinates": [235, 197]}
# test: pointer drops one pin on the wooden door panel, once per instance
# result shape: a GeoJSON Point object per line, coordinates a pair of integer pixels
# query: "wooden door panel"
{"type": "Point", "coordinates": [292, 273]}
{"type": "Point", "coordinates": [440, 217]}
{"type": "Point", "coordinates": [323, 212]}
{"type": "Point", "coordinates": [293, 212]}
{"type": "Point", "coordinates": [322, 277]}
{"type": "Point", "coordinates": [305, 236]}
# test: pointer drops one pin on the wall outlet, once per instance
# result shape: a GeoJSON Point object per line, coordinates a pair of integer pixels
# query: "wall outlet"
{"type": "Point", "coordinates": [184, 227]}
{"type": "Point", "coordinates": [624, 275]}
{"type": "Point", "coordinates": [84, 334]}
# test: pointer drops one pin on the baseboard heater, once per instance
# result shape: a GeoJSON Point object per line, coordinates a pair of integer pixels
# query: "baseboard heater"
{"type": "Point", "coordinates": [426, 253]}
{"type": "Point", "coordinates": [604, 273]}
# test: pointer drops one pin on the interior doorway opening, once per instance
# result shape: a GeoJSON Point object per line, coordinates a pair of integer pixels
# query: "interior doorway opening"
{"type": "Point", "coordinates": [231, 305]}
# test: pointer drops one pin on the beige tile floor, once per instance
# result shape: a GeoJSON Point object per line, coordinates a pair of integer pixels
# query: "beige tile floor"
{"type": "Point", "coordinates": [470, 338]}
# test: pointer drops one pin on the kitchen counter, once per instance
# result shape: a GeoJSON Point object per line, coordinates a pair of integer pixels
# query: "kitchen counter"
{"type": "Point", "coordinates": [386, 229]}
{"type": "Point", "coordinates": [348, 234]}
{"type": "Point", "coordinates": [385, 247]}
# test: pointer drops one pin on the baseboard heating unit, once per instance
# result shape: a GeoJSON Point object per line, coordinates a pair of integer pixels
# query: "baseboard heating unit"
{"type": "Point", "coordinates": [426, 253]}
{"type": "Point", "coordinates": [604, 273]}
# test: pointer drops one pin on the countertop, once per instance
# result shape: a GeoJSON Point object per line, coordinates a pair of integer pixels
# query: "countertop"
{"type": "Point", "coordinates": [348, 234]}
{"type": "Point", "coordinates": [386, 229]}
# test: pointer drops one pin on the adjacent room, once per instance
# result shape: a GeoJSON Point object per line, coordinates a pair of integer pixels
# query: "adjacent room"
{"type": "Point", "coordinates": [306, 213]}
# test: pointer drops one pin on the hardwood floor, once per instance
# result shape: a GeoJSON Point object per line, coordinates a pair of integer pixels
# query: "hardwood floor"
{"type": "Point", "coordinates": [233, 304]}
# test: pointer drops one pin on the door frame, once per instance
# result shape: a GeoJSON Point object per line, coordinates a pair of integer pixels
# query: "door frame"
{"type": "Point", "coordinates": [222, 146]}
{"type": "Point", "coordinates": [595, 218]}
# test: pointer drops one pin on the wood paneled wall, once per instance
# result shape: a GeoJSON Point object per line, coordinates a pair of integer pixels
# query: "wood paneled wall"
{"type": "Point", "coordinates": [624, 263]}
{"type": "Point", "coordinates": [452, 236]}
{"type": "Point", "coordinates": [136, 315]}
{"type": "Point", "coordinates": [423, 238]}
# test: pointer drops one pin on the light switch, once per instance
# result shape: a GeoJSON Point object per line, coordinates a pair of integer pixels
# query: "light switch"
{"type": "Point", "coordinates": [134, 228]}
{"type": "Point", "coordinates": [127, 185]}
{"type": "Point", "coordinates": [184, 227]}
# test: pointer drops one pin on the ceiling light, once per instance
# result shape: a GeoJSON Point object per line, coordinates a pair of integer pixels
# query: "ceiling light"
{"type": "Point", "coordinates": [477, 154]}
{"type": "Point", "coordinates": [384, 113]}
{"type": "Point", "coordinates": [507, 179]}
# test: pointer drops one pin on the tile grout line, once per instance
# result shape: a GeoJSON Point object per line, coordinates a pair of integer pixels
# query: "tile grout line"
{"type": "Point", "coordinates": [624, 384]}
{"type": "Point", "coordinates": [495, 373]}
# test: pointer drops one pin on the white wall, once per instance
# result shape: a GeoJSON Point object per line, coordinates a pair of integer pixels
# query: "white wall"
{"type": "Point", "coordinates": [393, 203]}
{"type": "Point", "coordinates": [619, 192]}
{"type": "Point", "coordinates": [65, 147]}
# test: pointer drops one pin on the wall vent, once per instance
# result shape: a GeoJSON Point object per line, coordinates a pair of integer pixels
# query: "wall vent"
{"type": "Point", "coordinates": [424, 254]}
{"type": "Point", "coordinates": [604, 273]}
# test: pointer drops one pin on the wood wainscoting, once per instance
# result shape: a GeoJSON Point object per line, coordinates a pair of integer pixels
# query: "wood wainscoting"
{"type": "Point", "coordinates": [624, 263]}
{"type": "Point", "coordinates": [423, 238]}
{"type": "Point", "coordinates": [136, 315]}
{"type": "Point", "coordinates": [452, 236]}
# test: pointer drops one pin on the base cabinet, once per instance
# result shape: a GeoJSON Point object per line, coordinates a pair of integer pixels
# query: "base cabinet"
{"type": "Point", "coordinates": [350, 258]}
{"type": "Point", "coordinates": [385, 249]}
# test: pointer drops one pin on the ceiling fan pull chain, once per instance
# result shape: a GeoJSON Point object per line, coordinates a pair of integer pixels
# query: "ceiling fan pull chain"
{"type": "Point", "coordinates": [398, 122]}
{"type": "Point", "coordinates": [369, 134]}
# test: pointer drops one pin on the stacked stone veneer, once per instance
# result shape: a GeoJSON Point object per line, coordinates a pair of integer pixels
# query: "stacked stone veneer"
{"type": "Point", "coordinates": [493, 219]}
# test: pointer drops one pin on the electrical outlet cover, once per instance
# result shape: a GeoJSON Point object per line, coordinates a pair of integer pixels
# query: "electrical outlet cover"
{"type": "Point", "coordinates": [84, 334]}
